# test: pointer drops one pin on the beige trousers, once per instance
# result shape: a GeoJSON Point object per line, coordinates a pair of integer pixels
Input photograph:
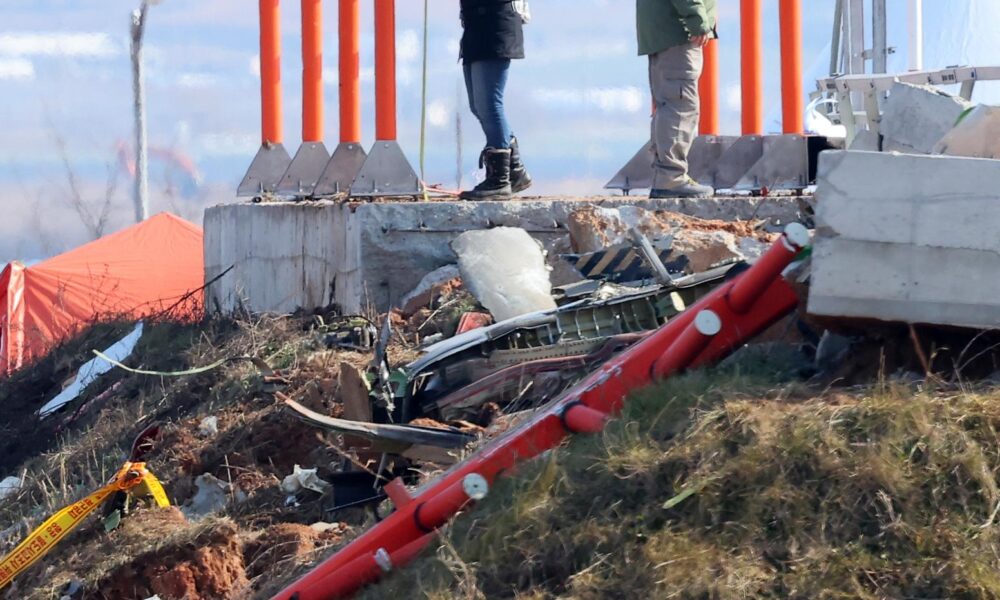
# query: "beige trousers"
{"type": "Point", "coordinates": [673, 80]}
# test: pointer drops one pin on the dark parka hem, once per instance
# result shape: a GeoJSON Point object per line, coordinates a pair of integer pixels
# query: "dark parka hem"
{"type": "Point", "coordinates": [492, 30]}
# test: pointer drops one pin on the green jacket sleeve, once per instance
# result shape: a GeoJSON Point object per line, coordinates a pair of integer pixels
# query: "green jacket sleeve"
{"type": "Point", "coordinates": [695, 16]}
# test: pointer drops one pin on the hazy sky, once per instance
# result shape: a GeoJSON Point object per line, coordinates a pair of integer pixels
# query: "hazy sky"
{"type": "Point", "coordinates": [579, 103]}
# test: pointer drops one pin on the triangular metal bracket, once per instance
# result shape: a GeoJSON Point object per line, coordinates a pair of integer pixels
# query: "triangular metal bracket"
{"type": "Point", "coordinates": [783, 165]}
{"type": "Point", "coordinates": [265, 171]}
{"type": "Point", "coordinates": [637, 173]}
{"type": "Point", "coordinates": [386, 172]}
{"type": "Point", "coordinates": [303, 173]}
{"type": "Point", "coordinates": [340, 172]}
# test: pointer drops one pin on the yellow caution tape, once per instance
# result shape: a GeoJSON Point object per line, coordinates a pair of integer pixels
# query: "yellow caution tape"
{"type": "Point", "coordinates": [59, 525]}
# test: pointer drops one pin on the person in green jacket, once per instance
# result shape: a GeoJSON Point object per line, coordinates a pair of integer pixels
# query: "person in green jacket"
{"type": "Point", "coordinates": [672, 33]}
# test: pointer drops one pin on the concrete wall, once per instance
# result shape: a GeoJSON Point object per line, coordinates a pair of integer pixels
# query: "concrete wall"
{"type": "Point", "coordinates": [907, 238]}
{"type": "Point", "coordinates": [288, 255]}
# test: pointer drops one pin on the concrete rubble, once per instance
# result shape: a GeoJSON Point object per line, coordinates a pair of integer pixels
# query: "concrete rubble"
{"type": "Point", "coordinates": [916, 117]}
{"type": "Point", "coordinates": [977, 135]}
{"type": "Point", "coordinates": [905, 238]}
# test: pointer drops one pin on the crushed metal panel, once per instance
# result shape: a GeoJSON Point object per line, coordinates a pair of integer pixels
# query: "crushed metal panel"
{"type": "Point", "coordinates": [386, 172]}
{"type": "Point", "coordinates": [340, 171]}
{"type": "Point", "coordinates": [637, 174]}
{"type": "Point", "coordinates": [265, 172]}
{"type": "Point", "coordinates": [304, 171]}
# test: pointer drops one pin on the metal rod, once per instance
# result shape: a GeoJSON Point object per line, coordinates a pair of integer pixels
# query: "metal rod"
{"type": "Point", "coordinates": [141, 198]}
{"type": "Point", "coordinates": [880, 48]}
{"type": "Point", "coordinates": [752, 66]}
{"type": "Point", "coordinates": [915, 19]}
{"type": "Point", "coordinates": [838, 28]}
{"type": "Point", "coordinates": [350, 71]}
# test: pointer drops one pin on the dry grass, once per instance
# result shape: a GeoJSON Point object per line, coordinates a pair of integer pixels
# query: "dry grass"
{"type": "Point", "coordinates": [718, 485]}
{"type": "Point", "coordinates": [83, 455]}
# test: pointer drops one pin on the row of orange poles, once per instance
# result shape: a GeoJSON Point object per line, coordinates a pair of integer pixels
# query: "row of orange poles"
{"type": "Point", "coordinates": [751, 52]}
{"type": "Point", "coordinates": [752, 71]}
{"type": "Point", "coordinates": [312, 71]}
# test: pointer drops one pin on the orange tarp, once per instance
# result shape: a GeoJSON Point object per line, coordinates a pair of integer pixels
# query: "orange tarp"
{"type": "Point", "coordinates": [155, 268]}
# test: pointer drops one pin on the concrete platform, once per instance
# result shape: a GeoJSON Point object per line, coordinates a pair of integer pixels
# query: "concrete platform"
{"type": "Point", "coordinates": [907, 238]}
{"type": "Point", "coordinates": [291, 255]}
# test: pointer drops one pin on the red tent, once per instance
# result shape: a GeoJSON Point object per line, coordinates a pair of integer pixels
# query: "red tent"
{"type": "Point", "coordinates": [150, 269]}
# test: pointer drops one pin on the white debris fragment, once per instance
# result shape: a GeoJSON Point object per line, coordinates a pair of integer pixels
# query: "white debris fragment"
{"type": "Point", "coordinates": [304, 479]}
{"type": "Point", "coordinates": [212, 496]}
{"type": "Point", "coordinates": [93, 369]}
{"type": "Point", "coordinates": [10, 485]}
{"type": "Point", "coordinates": [209, 426]}
{"type": "Point", "coordinates": [504, 268]}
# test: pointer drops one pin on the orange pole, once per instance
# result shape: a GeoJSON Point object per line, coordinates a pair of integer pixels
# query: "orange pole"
{"type": "Point", "coordinates": [270, 72]}
{"type": "Point", "coordinates": [312, 70]}
{"type": "Point", "coordinates": [752, 66]}
{"type": "Point", "coordinates": [792, 106]}
{"type": "Point", "coordinates": [350, 71]}
{"type": "Point", "coordinates": [385, 70]}
{"type": "Point", "coordinates": [708, 90]}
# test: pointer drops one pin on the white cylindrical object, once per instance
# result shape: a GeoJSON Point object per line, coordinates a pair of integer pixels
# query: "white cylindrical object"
{"type": "Point", "coordinates": [383, 560]}
{"type": "Point", "coordinates": [708, 323]}
{"type": "Point", "coordinates": [915, 20]}
{"type": "Point", "coordinates": [797, 235]}
{"type": "Point", "coordinates": [475, 486]}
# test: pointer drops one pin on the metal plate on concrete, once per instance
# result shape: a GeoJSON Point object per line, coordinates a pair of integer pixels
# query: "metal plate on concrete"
{"type": "Point", "coordinates": [783, 164]}
{"type": "Point", "coordinates": [737, 159]}
{"type": "Point", "coordinates": [637, 174]}
{"type": "Point", "coordinates": [302, 174]}
{"type": "Point", "coordinates": [265, 171]}
{"type": "Point", "coordinates": [340, 171]}
{"type": "Point", "coordinates": [386, 172]}
{"type": "Point", "coordinates": [706, 152]}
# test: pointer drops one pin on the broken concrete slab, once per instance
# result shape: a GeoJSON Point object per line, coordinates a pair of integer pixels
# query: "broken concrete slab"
{"type": "Point", "coordinates": [977, 135]}
{"type": "Point", "coordinates": [505, 270]}
{"type": "Point", "coordinates": [916, 117]}
{"type": "Point", "coordinates": [423, 295]}
{"type": "Point", "coordinates": [291, 255]}
{"type": "Point", "coordinates": [907, 238]}
{"type": "Point", "coordinates": [705, 242]}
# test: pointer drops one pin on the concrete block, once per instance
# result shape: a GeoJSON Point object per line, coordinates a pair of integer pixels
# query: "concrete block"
{"type": "Point", "coordinates": [976, 136]}
{"type": "Point", "coordinates": [907, 238]}
{"type": "Point", "coordinates": [916, 117]}
{"type": "Point", "coordinates": [290, 255]}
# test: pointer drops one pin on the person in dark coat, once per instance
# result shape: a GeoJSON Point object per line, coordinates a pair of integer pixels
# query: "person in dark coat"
{"type": "Point", "coordinates": [493, 36]}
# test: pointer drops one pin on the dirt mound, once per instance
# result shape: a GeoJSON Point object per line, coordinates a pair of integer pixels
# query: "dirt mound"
{"type": "Point", "coordinates": [208, 566]}
{"type": "Point", "coordinates": [283, 542]}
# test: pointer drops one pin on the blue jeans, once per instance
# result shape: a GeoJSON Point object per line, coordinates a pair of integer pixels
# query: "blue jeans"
{"type": "Point", "coordinates": [485, 81]}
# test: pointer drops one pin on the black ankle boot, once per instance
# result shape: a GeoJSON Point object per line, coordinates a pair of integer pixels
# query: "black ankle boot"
{"type": "Point", "coordinates": [519, 178]}
{"type": "Point", "coordinates": [497, 183]}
